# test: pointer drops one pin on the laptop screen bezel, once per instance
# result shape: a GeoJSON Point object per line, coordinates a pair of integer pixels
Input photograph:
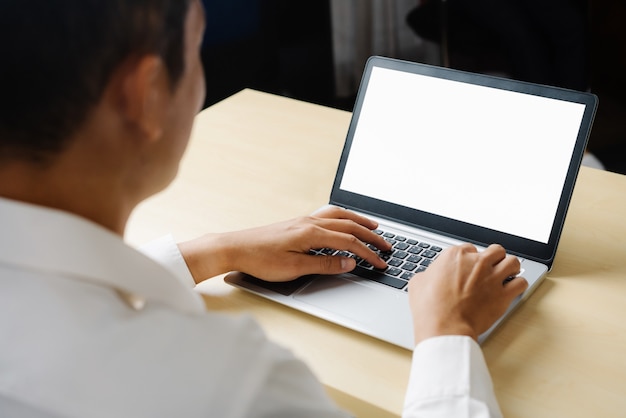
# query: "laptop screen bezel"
{"type": "Point", "coordinates": [534, 250]}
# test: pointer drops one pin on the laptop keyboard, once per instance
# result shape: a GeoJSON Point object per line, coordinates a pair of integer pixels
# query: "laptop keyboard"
{"type": "Point", "coordinates": [407, 257]}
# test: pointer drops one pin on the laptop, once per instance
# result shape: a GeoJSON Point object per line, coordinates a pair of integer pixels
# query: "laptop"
{"type": "Point", "coordinates": [441, 157]}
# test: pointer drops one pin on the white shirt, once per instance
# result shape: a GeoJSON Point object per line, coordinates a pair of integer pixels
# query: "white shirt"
{"type": "Point", "coordinates": [90, 327]}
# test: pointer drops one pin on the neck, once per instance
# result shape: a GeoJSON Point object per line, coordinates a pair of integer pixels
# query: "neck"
{"type": "Point", "coordinates": [107, 167]}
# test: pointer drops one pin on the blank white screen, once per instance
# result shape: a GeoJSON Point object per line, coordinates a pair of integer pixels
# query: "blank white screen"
{"type": "Point", "coordinates": [480, 155]}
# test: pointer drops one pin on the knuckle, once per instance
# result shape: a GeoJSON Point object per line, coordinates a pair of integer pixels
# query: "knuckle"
{"type": "Point", "coordinates": [352, 240]}
{"type": "Point", "coordinates": [330, 212]}
{"type": "Point", "coordinates": [459, 251]}
{"type": "Point", "coordinates": [498, 249]}
{"type": "Point", "coordinates": [514, 260]}
{"type": "Point", "coordinates": [350, 224]}
{"type": "Point", "coordinates": [306, 225]}
{"type": "Point", "coordinates": [465, 248]}
{"type": "Point", "coordinates": [336, 210]}
{"type": "Point", "coordinates": [453, 251]}
{"type": "Point", "coordinates": [326, 263]}
{"type": "Point", "coordinates": [306, 220]}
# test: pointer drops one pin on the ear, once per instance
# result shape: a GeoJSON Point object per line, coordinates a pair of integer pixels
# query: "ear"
{"type": "Point", "coordinates": [143, 95]}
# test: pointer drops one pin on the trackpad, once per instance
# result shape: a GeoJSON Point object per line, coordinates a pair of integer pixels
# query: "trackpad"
{"type": "Point", "coordinates": [361, 302]}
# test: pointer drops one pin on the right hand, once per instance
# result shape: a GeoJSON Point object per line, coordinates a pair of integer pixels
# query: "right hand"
{"type": "Point", "coordinates": [462, 292]}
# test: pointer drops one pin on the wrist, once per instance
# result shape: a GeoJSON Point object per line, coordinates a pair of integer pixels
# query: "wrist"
{"type": "Point", "coordinates": [206, 256]}
{"type": "Point", "coordinates": [425, 331]}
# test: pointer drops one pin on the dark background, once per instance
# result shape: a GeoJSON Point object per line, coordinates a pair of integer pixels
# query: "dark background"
{"type": "Point", "coordinates": [285, 47]}
{"type": "Point", "coordinates": [277, 46]}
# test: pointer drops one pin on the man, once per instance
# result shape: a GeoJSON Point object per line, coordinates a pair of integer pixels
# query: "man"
{"type": "Point", "coordinates": [98, 99]}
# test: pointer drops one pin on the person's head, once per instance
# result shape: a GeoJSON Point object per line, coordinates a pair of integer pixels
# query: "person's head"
{"type": "Point", "coordinates": [58, 56]}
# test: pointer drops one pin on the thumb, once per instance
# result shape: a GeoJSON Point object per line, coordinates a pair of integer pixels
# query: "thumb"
{"type": "Point", "coordinates": [332, 264]}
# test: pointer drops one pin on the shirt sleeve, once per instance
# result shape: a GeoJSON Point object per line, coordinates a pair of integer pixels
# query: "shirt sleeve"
{"type": "Point", "coordinates": [165, 251]}
{"type": "Point", "coordinates": [449, 378]}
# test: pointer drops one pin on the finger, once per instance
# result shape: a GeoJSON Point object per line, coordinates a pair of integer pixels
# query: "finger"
{"type": "Point", "coordinates": [456, 252]}
{"type": "Point", "coordinates": [360, 249]}
{"type": "Point", "coordinates": [515, 287]}
{"type": "Point", "coordinates": [326, 212]}
{"type": "Point", "coordinates": [466, 248]}
{"type": "Point", "coordinates": [327, 238]}
{"type": "Point", "coordinates": [320, 264]}
{"type": "Point", "coordinates": [342, 213]}
{"type": "Point", "coordinates": [508, 267]}
{"type": "Point", "coordinates": [352, 228]}
{"type": "Point", "coordinates": [495, 253]}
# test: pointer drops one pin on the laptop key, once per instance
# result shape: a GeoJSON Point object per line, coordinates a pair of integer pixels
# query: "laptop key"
{"type": "Point", "coordinates": [409, 266]}
{"type": "Point", "coordinates": [400, 254]}
{"type": "Point", "coordinates": [429, 254]}
{"type": "Point", "coordinates": [366, 265]}
{"type": "Point", "coordinates": [393, 271]}
{"type": "Point", "coordinates": [403, 259]}
{"type": "Point", "coordinates": [395, 262]}
{"type": "Point", "coordinates": [414, 259]}
{"type": "Point", "coordinates": [401, 245]}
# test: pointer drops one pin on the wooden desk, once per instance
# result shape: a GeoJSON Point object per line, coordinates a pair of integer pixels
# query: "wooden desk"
{"type": "Point", "coordinates": [256, 158]}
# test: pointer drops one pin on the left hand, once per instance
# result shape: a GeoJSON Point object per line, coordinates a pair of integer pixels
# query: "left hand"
{"type": "Point", "coordinates": [280, 252]}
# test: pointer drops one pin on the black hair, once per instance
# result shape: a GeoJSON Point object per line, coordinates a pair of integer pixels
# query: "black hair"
{"type": "Point", "coordinates": [57, 56]}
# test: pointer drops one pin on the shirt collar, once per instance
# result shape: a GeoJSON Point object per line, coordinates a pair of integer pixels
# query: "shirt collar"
{"type": "Point", "coordinates": [56, 242]}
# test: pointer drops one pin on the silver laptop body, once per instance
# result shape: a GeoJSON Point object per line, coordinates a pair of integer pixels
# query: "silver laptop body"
{"type": "Point", "coordinates": [440, 157]}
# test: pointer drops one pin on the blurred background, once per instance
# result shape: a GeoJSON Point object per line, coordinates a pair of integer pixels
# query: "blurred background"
{"type": "Point", "coordinates": [315, 51]}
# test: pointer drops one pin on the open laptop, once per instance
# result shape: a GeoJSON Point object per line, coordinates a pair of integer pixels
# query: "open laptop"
{"type": "Point", "coordinates": [439, 157]}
